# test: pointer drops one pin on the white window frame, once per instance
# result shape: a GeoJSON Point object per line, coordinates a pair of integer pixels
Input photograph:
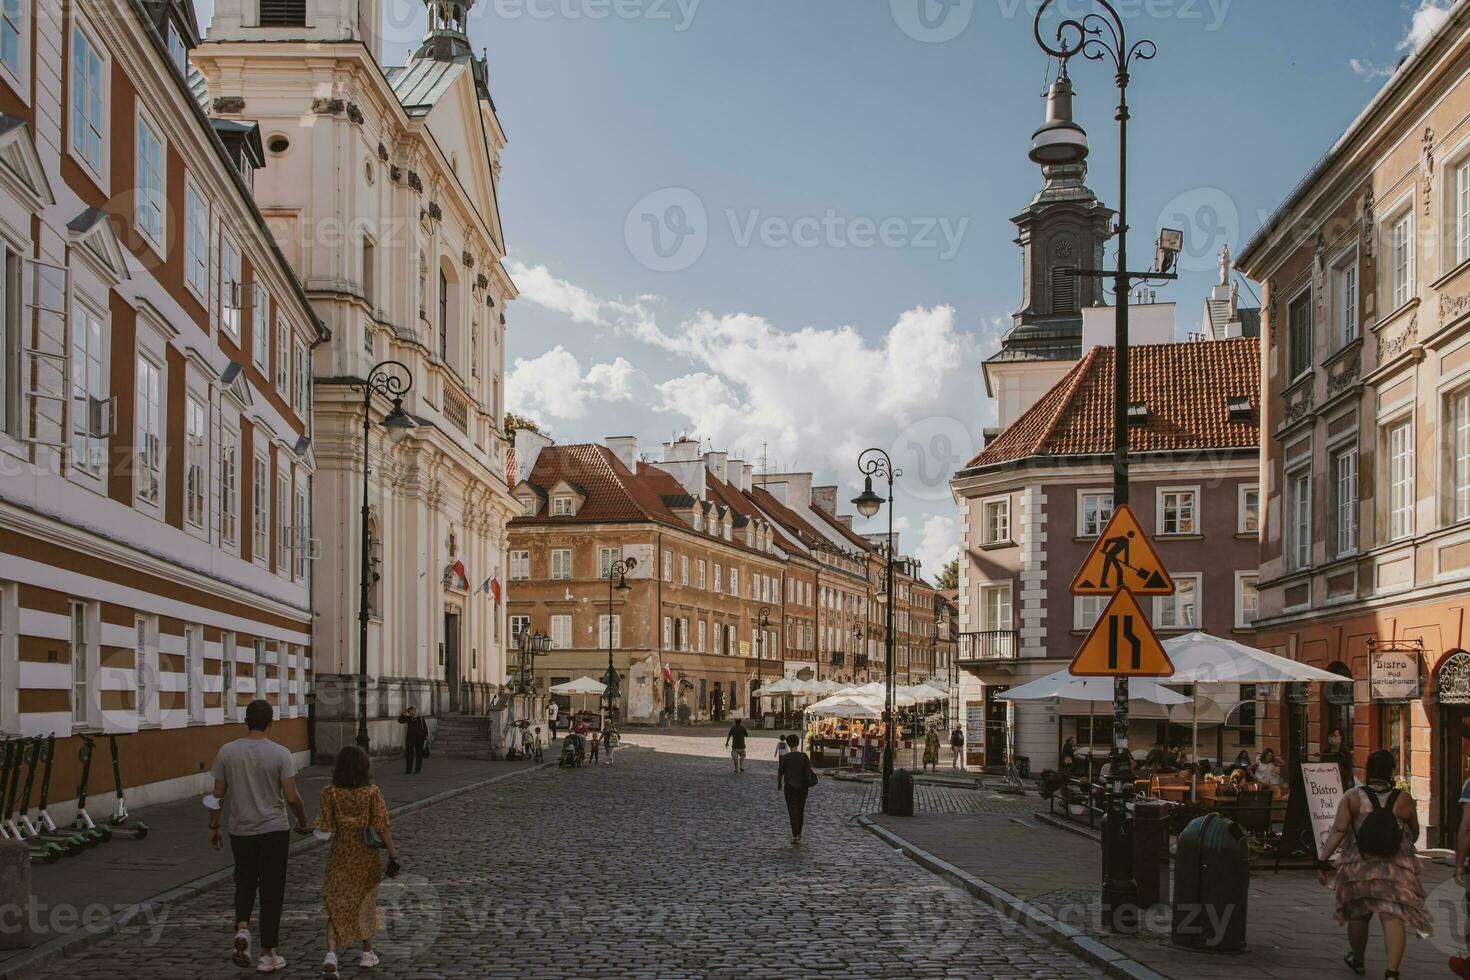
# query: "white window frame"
{"type": "Point", "coordinates": [300, 531]}
{"type": "Point", "coordinates": [668, 633]}
{"type": "Point", "coordinates": [668, 566]}
{"type": "Point", "coordinates": [1303, 301]}
{"type": "Point", "coordinates": [1398, 442]}
{"type": "Point", "coordinates": [150, 180]}
{"type": "Point", "coordinates": [282, 507]}
{"type": "Point", "coordinates": [229, 486]}
{"type": "Point", "coordinates": [193, 674]}
{"type": "Point", "coordinates": [260, 509]}
{"type": "Point", "coordinates": [1345, 298]}
{"type": "Point", "coordinates": [1401, 257]}
{"type": "Point", "coordinates": [283, 357]}
{"type": "Point", "coordinates": [80, 643]}
{"type": "Point", "coordinates": [80, 115]}
{"type": "Point", "coordinates": [196, 241]}
{"type": "Point", "coordinates": [90, 365]}
{"type": "Point", "coordinates": [991, 618]}
{"type": "Point", "coordinates": [149, 411]}
{"type": "Point", "coordinates": [561, 564]}
{"type": "Point", "coordinates": [518, 623]}
{"type": "Point", "coordinates": [703, 629]}
{"type": "Point", "coordinates": [559, 627]}
{"type": "Point", "coordinates": [1086, 610]}
{"type": "Point", "coordinates": [15, 27]}
{"type": "Point", "coordinates": [605, 559]}
{"type": "Point", "coordinates": [1100, 522]}
{"type": "Point", "coordinates": [520, 565]}
{"type": "Point", "coordinates": [1167, 607]}
{"type": "Point", "coordinates": [176, 48]}
{"type": "Point", "coordinates": [602, 631]}
{"type": "Point", "coordinates": [1299, 517]}
{"type": "Point", "coordinates": [145, 670]}
{"type": "Point", "coordinates": [562, 505]}
{"type": "Point", "coordinates": [1242, 621]}
{"type": "Point", "coordinates": [1458, 464]}
{"type": "Point", "coordinates": [260, 336]}
{"type": "Point", "coordinates": [735, 581]}
{"type": "Point", "coordinates": [231, 269]}
{"type": "Point", "coordinates": [1163, 494]}
{"type": "Point", "coordinates": [719, 578]}
{"type": "Point", "coordinates": [995, 520]}
{"type": "Point", "coordinates": [703, 573]}
{"type": "Point", "coordinates": [1243, 511]}
{"type": "Point", "coordinates": [683, 569]}
{"type": "Point", "coordinates": [300, 379]}
{"type": "Point", "coordinates": [196, 460]}
{"type": "Point", "coordinates": [1344, 477]}
{"type": "Point", "coordinates": [229, 680]}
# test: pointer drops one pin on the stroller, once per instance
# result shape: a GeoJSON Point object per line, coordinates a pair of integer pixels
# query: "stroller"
{"type": "Point", "coordinates": [573, 751]}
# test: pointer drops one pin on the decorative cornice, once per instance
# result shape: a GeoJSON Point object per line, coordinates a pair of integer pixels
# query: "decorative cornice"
{"type": "Point", "coordinates": [466, 258]}
{"type": "Point", "coordinates": [1344, 378]}
{"type": "Point", "coordinates": [394, 174]}
{"type": "Point", "coordinates": [1301, 402]}
{"type": "Point", "coordinates": [1389, 348]}
{"type": "Point", "coordinates": [434, 213]}
{"type": "Point", "coordinates": [228, 104]}
{"type": "Point", "coordinates": [481, 282]}
{"type": "Point", "coordinates": [327, 107]}
{"type": "Point", "coordinates": [382, 153]}
{"type": "Point", "coordinates": [414, 181]}
{"type": "Point", "coordinates": [1453, 307]}
{"type": "Point", "coordinates": [354, 113]}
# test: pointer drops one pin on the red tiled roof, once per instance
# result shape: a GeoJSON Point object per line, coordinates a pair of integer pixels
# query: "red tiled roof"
{"type": "Point", "coordinates": [1184, 387]}
{"type": "Point", "coordinates": [732, 497]}
{"type": "Point", "coordinates": [858, 541]}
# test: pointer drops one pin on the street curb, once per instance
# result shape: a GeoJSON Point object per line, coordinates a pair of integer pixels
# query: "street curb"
{"type": "Point", "coordinates": [62, 946]}
{"type": "Point", "coordinates": [1069, 938]}
{"type": "Point", "coordinates": [1062, 823]}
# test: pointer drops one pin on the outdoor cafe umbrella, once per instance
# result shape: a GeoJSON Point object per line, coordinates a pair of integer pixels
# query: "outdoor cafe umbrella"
{"type": "Point", "coordinates": [1063, 686]}
{"type": "Point", "coordinates": [582, 685]}
{"type": "Point", "coordinates": [839, 706]}
{"type": "Point", "coordinates": [1200, 658]}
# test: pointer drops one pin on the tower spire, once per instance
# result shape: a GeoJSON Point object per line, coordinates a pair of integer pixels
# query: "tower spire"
{"type": "Point", "coordinates": [448, 34]}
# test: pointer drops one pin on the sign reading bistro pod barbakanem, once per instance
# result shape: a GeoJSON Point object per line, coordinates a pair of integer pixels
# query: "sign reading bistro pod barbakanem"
{"type": "Point", "coordinates": [1393, 674]}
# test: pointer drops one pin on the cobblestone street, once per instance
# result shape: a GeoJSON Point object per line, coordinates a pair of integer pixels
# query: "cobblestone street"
{"type": "Point", "coordinates": [664, 865]}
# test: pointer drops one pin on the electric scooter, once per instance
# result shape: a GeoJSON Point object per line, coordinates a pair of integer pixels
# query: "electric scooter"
{"type": "Point", "coordinates": [46, 827]}
{"type": "Point", "coordinates": [83, 823]}
{"type": "Point", "coordinates": [119, 818]}
{"type": "Point", "coordinates": [70, 844]}
{"type": "Point", "coordinates": [14, 751]}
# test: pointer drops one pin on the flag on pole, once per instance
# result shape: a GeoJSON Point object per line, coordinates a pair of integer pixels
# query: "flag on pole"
{"type": "Point", "coordinates": [461, 577]}
{"type": "Point", "coordinates": [668, 675]}
{"type": "Point", "coordinates": [495, 587]}
{"type": "Point", "coordinates": [484, 587]}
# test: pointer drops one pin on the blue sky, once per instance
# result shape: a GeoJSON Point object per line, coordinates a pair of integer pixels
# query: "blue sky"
{"type": "Point", "coordinates": [785, 223]}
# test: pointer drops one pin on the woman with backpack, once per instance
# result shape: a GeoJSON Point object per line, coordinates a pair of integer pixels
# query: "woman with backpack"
{"type": "Point", "coordinates": [1378, 871]}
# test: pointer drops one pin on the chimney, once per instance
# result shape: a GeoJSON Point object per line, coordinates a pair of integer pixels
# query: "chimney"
{"type": "Point", "coordinates": [683, 462]}
{"type": "Point", "coordinates": [845, 520]}
{"type": "Point", "coordinates": [681, 450]}
{"type": "Point", "coordinates": [718, 464]}
{"type": "Point", "coordinates": [528, 447]}
{"type": "Point", "coordinates": [625, 448]}
{"type": "Point", "coordinates": [825, 498]}
{"type": "Point", "coordinates": [746, 470]}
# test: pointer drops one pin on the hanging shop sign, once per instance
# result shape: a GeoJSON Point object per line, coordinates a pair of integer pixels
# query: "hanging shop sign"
{"type": "Point", "coordinates": [1393, 674]}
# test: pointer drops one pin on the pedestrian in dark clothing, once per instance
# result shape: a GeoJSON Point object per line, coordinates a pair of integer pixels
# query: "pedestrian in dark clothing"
{"type": "Point", "coordinates": [257, 776]}
{"type": "Point", "coordinates": [794, 777]}
{"type": "Point", "coordinates": [414, 740]}
{"type": "Point", "coordinates": [735, 742]}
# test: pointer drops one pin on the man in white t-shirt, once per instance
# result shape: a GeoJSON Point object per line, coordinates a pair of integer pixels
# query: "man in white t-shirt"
{"type": "Point", "coordinates": [257, 776]}
{"type": "Point", "coordinates": [551, 712]}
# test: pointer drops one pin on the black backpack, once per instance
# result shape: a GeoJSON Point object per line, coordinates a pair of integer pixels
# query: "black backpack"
{"type": "Point", "coordinates": [1380, 835]}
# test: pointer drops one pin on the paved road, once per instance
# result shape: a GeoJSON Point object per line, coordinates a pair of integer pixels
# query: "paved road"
{"type": "Point", "coordinates": [665, 865]}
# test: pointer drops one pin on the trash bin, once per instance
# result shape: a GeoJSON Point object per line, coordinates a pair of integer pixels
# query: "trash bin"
{"type": "Point", "coordinates": [1023, 766]}
{"type": "Point", "coordinates": [1151, 851]}
{"type": "Point", "coordinates": [901, 793]}
{"type": "Point", "coordinates": [1211, 885]}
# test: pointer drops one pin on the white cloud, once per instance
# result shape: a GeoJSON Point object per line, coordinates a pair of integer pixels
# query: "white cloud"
{"type": "Point", "coordinates": [940, 544]}
{"type": "Point", "coordinates": [553, 386]}
{"type": "Point", "coordinates": [1427, 18]}
{"type": "Point", "coordinates": [537, 285]}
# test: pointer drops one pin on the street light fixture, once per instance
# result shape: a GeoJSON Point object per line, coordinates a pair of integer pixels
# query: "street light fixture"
{"type": "Point", "coordinates": [391, 379]}
{"type": "Point", "coordinates": [1101, 36]}
{"type": "Point", "coordinates": [531, 646]}
{"type": "Point", "coordinates": [617, 581]}
{"type": "Point", "coordinates": [762, 623]}
{"type": "Point", "coordinates": [875, 462]}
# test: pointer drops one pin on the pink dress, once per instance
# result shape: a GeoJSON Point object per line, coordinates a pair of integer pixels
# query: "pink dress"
{"type": "Point", "coordinates": [1367, 886]}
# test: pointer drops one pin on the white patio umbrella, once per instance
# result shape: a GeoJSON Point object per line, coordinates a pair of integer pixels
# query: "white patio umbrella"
{"type": "Point", "coordinates": [847, 707]}
{"type": "Point", "coordinates": [785, 685]}
{"type": "Point", "coordinates": [1200, 658]}
{"type": "Point", "coordinates": [582, 685]}
{"type": "Point", "coordinates": [1062, 686]}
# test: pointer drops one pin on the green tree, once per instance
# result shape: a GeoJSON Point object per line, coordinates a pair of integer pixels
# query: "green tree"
{"type": "Point", "coordinates": [514, 422]}
{"type": "Point", "coordinates": [949, 576]}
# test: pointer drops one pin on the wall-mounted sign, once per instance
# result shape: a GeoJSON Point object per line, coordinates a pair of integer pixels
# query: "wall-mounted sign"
{"type": "Point", "coordinates": [1393, 675]}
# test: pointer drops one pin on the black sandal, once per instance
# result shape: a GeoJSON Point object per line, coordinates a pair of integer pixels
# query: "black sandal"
{"type": "Point", "coordinates": [1355, 964]}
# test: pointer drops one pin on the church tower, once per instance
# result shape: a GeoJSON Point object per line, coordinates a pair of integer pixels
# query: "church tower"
{"type": "Point", "coordinates": [1063, 230]}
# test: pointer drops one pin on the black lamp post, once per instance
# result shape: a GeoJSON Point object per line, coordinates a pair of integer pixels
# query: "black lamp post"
{"type": "Point", "coordinates": [1100, 36]}
{"type": "Point", "coordinates": [876, 462]}
{"type": "Point", "coordinates": [392, 380]}
{"type": "Point", "coordinates": [859, 655]}
{"type": "Point", "coordinates": [531, 646]}
{"type": "Point", "coordinates": [762, 623]}
{"type": "Point", "coordinates": [617, 581]}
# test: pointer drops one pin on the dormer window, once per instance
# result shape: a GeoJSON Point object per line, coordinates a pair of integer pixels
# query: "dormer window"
{"type": "Point", "coordinates": [698, 520]}
{"type": "Point", "coordinates": [528, 505]}
{"type": "Point", "coordinates": [563, 506]}
{"type": "Point", "coordinates": [177, 51]}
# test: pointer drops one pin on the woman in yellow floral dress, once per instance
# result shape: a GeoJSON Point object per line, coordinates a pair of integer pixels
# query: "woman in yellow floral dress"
{"type": "Point", "coordinates": [354, 871]}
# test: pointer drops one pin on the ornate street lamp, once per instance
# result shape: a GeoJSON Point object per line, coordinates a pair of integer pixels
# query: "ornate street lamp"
{"type": "Point", "coordinates": [531, 646]}
{"type": "Point", "coordinates": [391, 379]}
{"type": "Point", "coordinates": [762, 623]}
{"type": "Point", "coordinates": [1101, 36]}
{"type": "Point", "coordinates": [617, 581]}
{"type": "Point", "coordinates": [875, 462]}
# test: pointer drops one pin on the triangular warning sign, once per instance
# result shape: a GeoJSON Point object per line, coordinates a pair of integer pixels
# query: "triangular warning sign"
{"type": "Point", "coordinates": [1121, 558]}
{"type": "Point", "coordinates": [1122, 644]}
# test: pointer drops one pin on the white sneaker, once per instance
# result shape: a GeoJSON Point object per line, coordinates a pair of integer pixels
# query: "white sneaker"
{"type": "Point", "coordinates": [241, 952]}
{"type": "Point", "coordinates": [270, 962]}
{"type": "Point", "coordinates": [329, 965]}
{"type": "Point", "coordinates": [369, 960]}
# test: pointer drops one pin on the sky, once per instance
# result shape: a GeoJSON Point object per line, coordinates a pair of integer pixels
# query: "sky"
{"type": "Point", "coordinates": [783, 226]}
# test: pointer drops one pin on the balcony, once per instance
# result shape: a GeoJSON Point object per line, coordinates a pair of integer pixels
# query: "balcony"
{"type": "Point", "coordinates": [838, 659]}
{"type": "Point", "coordinates": [989, 645]}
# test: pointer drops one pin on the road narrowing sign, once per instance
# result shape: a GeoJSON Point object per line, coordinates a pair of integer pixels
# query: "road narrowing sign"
{"type": "Point", "coordinates": [1122, 644]}
{"type": "Point", "coordinates": [1122, 558]}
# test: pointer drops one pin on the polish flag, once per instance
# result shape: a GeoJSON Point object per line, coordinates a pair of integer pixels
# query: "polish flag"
{"type": "Point", "coordinates": [495, 587]}
{"type": "Point", "coordinates": [668, 675]}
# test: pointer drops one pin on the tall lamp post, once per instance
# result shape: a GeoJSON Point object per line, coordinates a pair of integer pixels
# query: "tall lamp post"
{"type": "Point", "coordinates": [1101, 36]}
{"type": "Point", "coordinates": [875, 462]}
{"type": "Point", "coordinates": [762, 623]}
{"type": "Point", "coordinates": [617, 581]}
{"type": "Point", "coordinates": [531, 646]}
{"type": "Point", "coordinates": [391, 379]}
{"type": "Point", "coordinates": [859, 655]}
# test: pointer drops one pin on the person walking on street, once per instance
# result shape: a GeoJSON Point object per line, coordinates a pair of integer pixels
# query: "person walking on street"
{"type": "Point", "coordinates": [609, 739]}
{"type": "Point", "coordinates": [551, 712]}
{"type": "Point", "coordinates": [781, 749]}
{"type": "Point", "coordinates": [596, 744]}
{"type": "Point", "coordinates": [414, 739]}
{"type": "Point", "coordinates": [735, 742]}
{"type": "Point", "coordinates": [795, 777]}
{"type": "Point", "coordinates": [257, 776]}
{"type": "Point", "coordinates": [931, 750]}
{"type": "Point", "coordinates": [354, 813]}
{"type": "Point", "coordinates": [1378, 872]}
{"type": "Point", "coordinates": [957, 747]}
{"type": "Point", "coordinates": [1460, 965]}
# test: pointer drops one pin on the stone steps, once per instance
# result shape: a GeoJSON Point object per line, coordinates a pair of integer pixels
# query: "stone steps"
{"type": "Point", "coordinates": [462, 737]}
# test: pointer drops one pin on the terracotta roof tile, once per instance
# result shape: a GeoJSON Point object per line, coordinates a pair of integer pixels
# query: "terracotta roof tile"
{"type": "Point", "coordinates": [1184, 387]}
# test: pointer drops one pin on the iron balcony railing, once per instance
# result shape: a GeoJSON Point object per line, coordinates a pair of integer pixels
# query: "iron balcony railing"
{"type": "Point", "coordinates": [989, 645]}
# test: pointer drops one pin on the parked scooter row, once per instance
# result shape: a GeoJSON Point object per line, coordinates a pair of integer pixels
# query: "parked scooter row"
{"type": "Point", "coordinates": [48, 842]}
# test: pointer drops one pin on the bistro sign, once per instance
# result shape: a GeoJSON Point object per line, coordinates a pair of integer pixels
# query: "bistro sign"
{"type": "Point", "coordinates": [1393, 675]}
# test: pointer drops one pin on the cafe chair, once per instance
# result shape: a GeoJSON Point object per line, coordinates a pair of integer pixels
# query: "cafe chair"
{"type": "Point", "coordinates": [1253, 812]}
